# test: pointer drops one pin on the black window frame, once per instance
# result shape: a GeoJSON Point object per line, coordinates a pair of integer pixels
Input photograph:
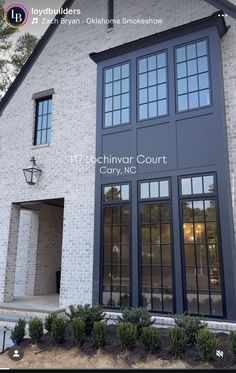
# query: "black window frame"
{"type": "Point", "coordinates": [155, 53]}
{"type": "Point", "coordinates": [104, 97]}
{"type": "Point", "coordinates": [36, 130]}
{"type": "Point", "coordinates": [161, 200]}
{"type": "Point", "coordinates": [111, 204]}
{"type": "Point", "coordinates": [195, 41]}
{"type": "Point", "coordinates": [202, 197]}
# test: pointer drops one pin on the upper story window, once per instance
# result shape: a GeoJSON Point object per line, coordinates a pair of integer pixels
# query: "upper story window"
{"type": "Point", "coordinates": [43, 121]}
{"type": "Point", "coordinates": [152, 86]}
{"type": "Point", "coordinates": [154, 189]}
{"type": "Point", "coordinates": [198, 185]}
{"type": "Point", "coordinates": [192, 70]}
{"type": "Point", "coordinates": [117, 95]}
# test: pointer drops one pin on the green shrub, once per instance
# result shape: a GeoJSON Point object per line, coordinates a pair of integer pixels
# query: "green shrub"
{"type": "Point", "coordinates": [137, 316]}
{"type": "Point", "coordinates": [58, 330]}
{"type": "Point", "coordinates": [127, 332]}
{"type": "Point", "coordinates": [151, 339]}
{"type": "Point", "coordinates": [233, 342]}
{"type": "Point", "coordinates": [206, 343]}
{"type": "Point", "coordinates": [48, 321]}
{"type": "Point", "coordinates": [35, 329]}
{"type": "Point", "coordinates": [78, 330]}
{"type": "Point", "coordinates": [18, 333]}
{"type": "Point", "coordinates": [88, 313]}
{"type": "Point", "coordinates": [178, 340]}
{"type": "Point", "coordinates": [191, 325]}
{"type": "Point", "coordinates": [99, 333]}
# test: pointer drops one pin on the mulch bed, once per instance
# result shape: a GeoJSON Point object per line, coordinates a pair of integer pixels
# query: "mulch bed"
{"type": "Point", "coordinates": [139, 354]}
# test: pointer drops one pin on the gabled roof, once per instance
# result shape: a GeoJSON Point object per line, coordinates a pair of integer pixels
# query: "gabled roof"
{"type": "Point", "coordinates": [223, 5]}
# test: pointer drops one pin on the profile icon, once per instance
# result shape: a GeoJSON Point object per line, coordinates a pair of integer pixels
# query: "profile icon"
{"type": "Point", "coordinates": [16, 353]}
{"type": "Point", "coordinates": [15, 15]}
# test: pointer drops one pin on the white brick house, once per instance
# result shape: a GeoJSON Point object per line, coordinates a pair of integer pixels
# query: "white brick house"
{"type": "Point", "coordinates": [56, 224]}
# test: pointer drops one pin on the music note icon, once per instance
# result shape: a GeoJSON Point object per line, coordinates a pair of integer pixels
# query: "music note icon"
{"type": "Point", "coordinates": [35, 21]}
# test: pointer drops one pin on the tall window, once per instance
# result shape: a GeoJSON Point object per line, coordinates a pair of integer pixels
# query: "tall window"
{"type": "Point", "coordinates": [203, 291]}
{"type": "Point", "coordinates": [43, 121]}
{"type": "Point", "coordinates": [117, 95]}
{"type": "Point", "coordinates": [152, 86]}
{"type": "Point", "coordinates": [155, 246]}
{"type": "Point", "coordinates": [193, 86]}
{"type": "Point", "coordinates": [116, 246]}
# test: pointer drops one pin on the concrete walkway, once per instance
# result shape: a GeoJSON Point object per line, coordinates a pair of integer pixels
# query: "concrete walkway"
{"type": "Point", "coordinates": [47, 303]}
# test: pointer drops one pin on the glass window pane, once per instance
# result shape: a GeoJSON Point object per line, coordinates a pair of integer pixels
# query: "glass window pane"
{"type": "Point", "coordinates": [108, 75]}
{"type": "Point", "coordinates": [125, 85]}
{"type": "Point", "coordinates": [40, 108]}
{"type": "Point", "coordinates": [202, 276]}
{"type": "Point", "coordinates": [107, 214]}
{"type": "Point", "coordinates": [49, 105]}
{"type": "Point", "coordinates": [192, 67]}
{"type": "Point", "coordinates": [152, 94]}
{"type": "Point", "coordinates": [209, 184]}
{"type": "Point", "coordinates": [116, 102]}
{"type": "Point", "coordinates": [181, 70]}
{"type": "Point", "coordinates": [165, 234]}
{"type": "Point", "coordinates": [116, 192]}
{"type": "Point", "coordinates": [44, 121]}
{"type": "Point", "coordinates": [108, 104]}
{"type": "Point", "coordinates": [144, 190]}
{"type": "Point", "coordinates": [125, 70]}
{"type": "Point", "coordinates": [188, 233]}
{"type": "Point", "coordinates": [125, 234]}
{"type": "Point", "coordinates": [108, 119]}
{"type": "Point", "coordinates": [125, 116]}
{"type": "Point", "coordinates": [193, 100]}
{"type": "Point", "coordinates": [210, 210]}
{"type": "Point", "coordinates": [182, 102]}
{"type": "Point", "coordinates": [125, 192]}
{"type": "Point", "coordinates": [192, 84]}
{"type": "Point", "coordinates": [125, 100]}
{"type": "Point", "coordinates": [43, 137]}
{"type": "Point", "coordinates": [152, 63]}
{"type": "Point", "coordinates": [192, 304]}
{"type": "Point", "coordinates": [203, 80]}
{"type": "Point", "coordinates": [216, 303]}
{"type": "Point", "coordinates": [107, 254]}
{"type": "Point", "coordinates": [145, 213]}
{"type": "Point", "coordinates": [142, 65]}
{"type": "Point", "coordinates": [204, 97]}
{"type": "Point", "coordinates": [45, 107]}
{"type": "Point", "coordinates": [48, 135]}
{"type": "Point", "coordinates": [197, 185]}
{"type": "Point", "coordinates": [143, 111]}
{"type": "Point", "coordinates": [143, 96]}
{"type": "Point", "coordinates": [108, 89]}
{"type": "Point", "coordinates": [202, 64]}
{"type": "Point", "coordinates": [38, 138]}
{"type": "Point", "coordinates": [107, 235]}
{"type": "Point", "coordinates": [152, 78]}
{"type": "Point", "coordinates": [191, 51]}
{"type": "Point", "coordinates": [187, 210]}
{"type": "Point", "coordinates": [167, 277]}
{"type": "Point", "coordinates": [152, 109]}
{"type": "Point", "coordinates": [191, 278]}
{"type": "Point", "coordinates": [181, 54]}
{"type": "Point", "coordinates": [161, 60]}
{"type": "Point", "coordinates": [162, 107]}
{"type": "Point", "coordinates": [154, 192]}
{"type": "Point", "coordinates": [161, 91]}
{"type": "Point", "coordinates": [165, 212]}
{"type": "Point", "coordinates": [156, 277]}
{"type": "Point", "coordinates": [182, 86]}
{"type": "Point", "coordinates": [155, 234]}
{"type": "Point", "coordinates": [116, 73]}
{"type": "Point", "coordinates": [201, 253]}
{"type": "Point", "coordinates": [155, 212]}
{"type": "Point", "coordinates": [125, 214]}
{"type": "Point", "coordinates": [189, 255]}
{"type": "Point", "coordinates": [164, 188]}
{"type": "Point", "coordinates": [146, 276]}
{"type": "Point", "coordinates": [198, 211]}
{"type": "Point", "coordinates": [166, 255]}
{"type": "Point", "coordinates": [116, 87]}
{"type": "Point", "coordinates": [143, 80]}
{"type": "Point", "coordinates": [204, 303]}
{"type": "Point", "coordinates": [161, 75]}
{"type": "Point", "coordinates": [39, 123]}
{"type": "Point", "coordinates": [201, 48]}
{"type": "Point", "coordinates": [116, 117]}
{"type": "Point", "coordinates": [200, 235]}
{"type": "Point", "coordinates": [186, 186]}
{"type": "Point", "coordinates": [125, 254]}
